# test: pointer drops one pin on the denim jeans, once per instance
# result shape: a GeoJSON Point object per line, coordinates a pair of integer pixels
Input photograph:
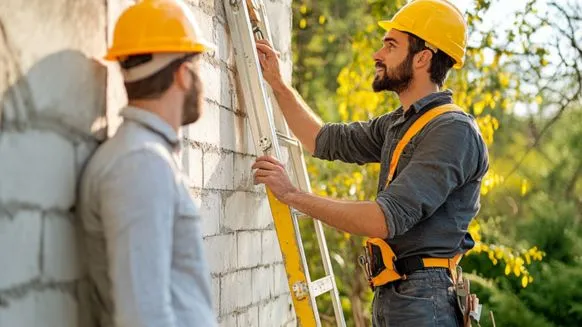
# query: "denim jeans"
{"type": "Point", "coordinates": [426, 298]}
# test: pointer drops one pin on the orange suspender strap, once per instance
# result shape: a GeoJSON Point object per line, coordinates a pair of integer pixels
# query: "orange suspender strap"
{"type": "Point", "coordinates": [412, 131]}
{"type": "Point", "coordinates": [389, 274]}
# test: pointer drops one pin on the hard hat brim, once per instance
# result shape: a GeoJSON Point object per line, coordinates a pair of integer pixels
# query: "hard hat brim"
{"type": "Point", "coordinates": [200, 46]}
{"type": "Point", "coordinates": [386, 24]}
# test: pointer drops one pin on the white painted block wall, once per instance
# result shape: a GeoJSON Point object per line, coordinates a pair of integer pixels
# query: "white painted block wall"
{"type": "Point", "coordinates": [57, 101]}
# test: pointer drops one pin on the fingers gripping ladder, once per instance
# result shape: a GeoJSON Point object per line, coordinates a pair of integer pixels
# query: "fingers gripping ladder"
{"type": "Point", "coordinates": [247, 22]}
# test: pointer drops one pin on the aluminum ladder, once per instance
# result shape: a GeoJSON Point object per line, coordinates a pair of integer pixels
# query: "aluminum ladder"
{"type": "Point", "coordinates": [248, 22]}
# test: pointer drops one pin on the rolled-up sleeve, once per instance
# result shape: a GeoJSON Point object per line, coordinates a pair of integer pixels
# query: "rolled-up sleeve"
{"type": "Point", "coordinates": [445, 158]}
{"type": "Point", "coordinates": [137, 210]}
{"type": "Point", "coordinates": [357, 142]}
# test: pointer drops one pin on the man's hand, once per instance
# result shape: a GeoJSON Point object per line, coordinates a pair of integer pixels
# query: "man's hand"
{"type": "Point", "coordinates": [272, 173]}
{"type": "Point", "coordinates": [269, 59]}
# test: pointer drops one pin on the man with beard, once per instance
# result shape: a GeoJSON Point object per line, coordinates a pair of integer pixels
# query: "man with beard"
{"type": "Point", "coordinates": [145, 256]}
{"type": "Point", "coordinates": [423, 209]}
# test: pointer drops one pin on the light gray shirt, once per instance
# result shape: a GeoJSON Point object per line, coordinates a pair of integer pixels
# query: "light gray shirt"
{"type": "Point", "coordinates": [146, 263]}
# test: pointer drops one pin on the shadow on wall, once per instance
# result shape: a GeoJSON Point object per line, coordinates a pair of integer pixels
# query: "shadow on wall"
{"type": "Point", "coordinates": [52, 118]}
{"type": "Point", "coordinates": [64, 90]}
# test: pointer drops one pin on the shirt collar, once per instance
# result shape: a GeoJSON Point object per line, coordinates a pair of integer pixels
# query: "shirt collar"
{"type": "Point", "coordinates": [425, 102]}
{"type": "Point", "coordinates": [152, 122]}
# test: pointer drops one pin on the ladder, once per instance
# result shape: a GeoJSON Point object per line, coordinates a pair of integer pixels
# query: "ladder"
{"type": "Point", "coordinates": [248, 22]}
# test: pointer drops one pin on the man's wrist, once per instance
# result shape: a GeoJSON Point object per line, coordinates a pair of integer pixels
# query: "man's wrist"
{"type": "Point", "coordinates": [279, 86]}
{"type": "Point", "coordinates": [291, 198]}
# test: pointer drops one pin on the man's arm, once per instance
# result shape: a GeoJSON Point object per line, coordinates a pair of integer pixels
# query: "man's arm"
{"type": "Point", "coordinates": [363, 218]}
{"type": "Point", "coordinates": [446, 158]}
{"type": "Point", "coordinates": [301, 119]}
{"type": "Point", "coordinates": [355, 217]}
{"type": "Point", "coordinates": [137, 209]}
{"type": "Point", "coordinates": [358, 142]}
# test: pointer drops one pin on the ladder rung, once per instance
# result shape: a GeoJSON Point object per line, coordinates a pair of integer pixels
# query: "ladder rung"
{"type": "Point", "coordinates": [298, 214]}
{"type": "Point", "coordinates": [289, 141]}
{"type": "Point", "coordinates": [320, 286]}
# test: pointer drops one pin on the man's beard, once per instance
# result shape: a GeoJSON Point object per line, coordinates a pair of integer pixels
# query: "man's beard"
{"type": "Point", "coordinates": [193, 102]}
{"type": "Point", "coordinates": [397, 79]}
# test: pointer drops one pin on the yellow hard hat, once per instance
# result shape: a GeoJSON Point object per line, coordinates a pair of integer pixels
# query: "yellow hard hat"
{"type": "Point", "coordinates": [437, 22]}
{"type": "Point", "coordinates": [156, 26]}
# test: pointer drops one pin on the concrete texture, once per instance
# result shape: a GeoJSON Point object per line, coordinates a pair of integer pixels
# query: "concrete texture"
{"type": "Point", "coordinates": [58, 100]}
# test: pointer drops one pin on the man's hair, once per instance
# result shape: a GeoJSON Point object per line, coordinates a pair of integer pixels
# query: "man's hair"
{"type": "Point", "coordinates": [151, 87]}
{"type": "Point", "coordinates": [440, 63]}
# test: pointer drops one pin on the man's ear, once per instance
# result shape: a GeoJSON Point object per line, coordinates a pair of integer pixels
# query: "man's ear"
{"type": "Point", "coordinates": [423, 59]}
{"type": "Point", "coordinates": [183, 77]}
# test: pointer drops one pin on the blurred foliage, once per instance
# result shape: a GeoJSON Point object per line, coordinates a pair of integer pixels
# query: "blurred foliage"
{"type": "Point", "coordinates": [522, 84]}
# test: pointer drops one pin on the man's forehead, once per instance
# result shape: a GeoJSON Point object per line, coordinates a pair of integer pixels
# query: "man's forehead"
{"type": "Point", "coordinates": [397, 35]}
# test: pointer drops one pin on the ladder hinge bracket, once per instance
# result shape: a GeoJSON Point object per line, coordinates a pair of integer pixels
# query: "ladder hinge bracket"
{"type": "Point", "coordinates": [301, 290]}
{"type": "Point", "coordinates": [265, 144]}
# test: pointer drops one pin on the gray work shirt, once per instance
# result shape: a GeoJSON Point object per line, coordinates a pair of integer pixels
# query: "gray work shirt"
{"type": "Point", "coordinates": [436, 189]}
{"type": "Point", "coordinates": [145, 255]}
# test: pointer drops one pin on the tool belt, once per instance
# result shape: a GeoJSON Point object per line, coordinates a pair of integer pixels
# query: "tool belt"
{"type": "Point", "coordinates": [382, 266]}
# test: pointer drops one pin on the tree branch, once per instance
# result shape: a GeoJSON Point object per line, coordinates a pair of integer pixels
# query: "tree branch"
{"type": "Point", "coordinates": [565, 100]}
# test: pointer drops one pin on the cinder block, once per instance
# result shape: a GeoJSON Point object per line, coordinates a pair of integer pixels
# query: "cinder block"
{"type": "Point", "coordinates": [271, 252]}
{"type": "Point", "coordinates": [211, 212]}
{"type": "Point", "coordinates": [227, 129]}
{"type": "Point", "coordinates": [280, 13]}
{"type": "Point", "coordinates": [37, 168]}
{"type": "Point", "coordinates": [224, 50]}
{"type": "Point", "coordinates": [20, 312]}
{"type": "Point", "coordinates": [216, 294]}
{"type": "Point", "coordinates": [206, 129]}
{"type": "Point", "coordinates": [286, 304]}
{"type": "Point", "coordinates": [20, 248]}
{"type": "Point", "coordinates": [267, 315]}
{"type": "Point", "coordinates": [264, 216]}
{"type": "Point", "coordinates": [48, 308]}
{"type": "Point", "coordinates": [243, 175]}
{"type": "Point", "coordinates": [262, 283]}
{"type": "Point", "coordinates": [244, 211]}
{"type": "Point", "coordinates": [60, 257]}
{"type": "Point", "coordinates": [208, 4]}
{"type": "Point", "coordinates": [218, 171]}
{"type": "Point", "coordinates": [56, 308]}
{"type": "Point", "coordinates": [249, 249]}
{"type": "Point", "coordinates": [193, 165]}
{"type": "Point", "coordinates": [56, 78]}
{"type": "Point", "coordinates": [221, 252]}
{"type": "Point", "coordinates": [248, 318]}
{"type": "Point", "coordinates": [203, 19]}
{"type": "Point", "coordinates": [245, 143]}
{"type": "Point", "coordinates": [216, 126]}
{"type": "Point", "coordinates": [281, 284]}
{"type": "Point", "coordinates": [227, 321]}
{"type": "Point", "coordinates": [235, 291]}
{"type": "Point", "coordinates": [216, 86]}
{"type": "Point", "coordinates": [277, 312]}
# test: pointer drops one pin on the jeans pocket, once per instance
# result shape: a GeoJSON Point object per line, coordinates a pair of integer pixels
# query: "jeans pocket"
{"type": "Point", "coordinates": [411, 307]}
{"type": "Point", "coordinates": [413, 291]}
